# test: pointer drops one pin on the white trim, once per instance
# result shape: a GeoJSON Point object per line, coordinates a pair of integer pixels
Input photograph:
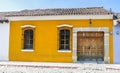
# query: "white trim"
{"type": "Point", "coordinates": [64, 50]}
{"type": "Point", "coordinates": [27, 50]}
{"type": "Point", "coordinates": [60, 17]}
{"type": "Point", "coordinates": [65, 25]}
{"type": "Point", "coordinates": [26, 26]}
{"type": "Point", "coordinates": [106, 41]}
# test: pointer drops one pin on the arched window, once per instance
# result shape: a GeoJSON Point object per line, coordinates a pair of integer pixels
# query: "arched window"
{"type": "Point", "coordinates": [64, 39]}
{"type": "Point", "coordinates": [28, 39]}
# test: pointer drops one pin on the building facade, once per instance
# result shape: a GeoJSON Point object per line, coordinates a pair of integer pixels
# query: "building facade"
{"type": "Point", "coordinates": [116, 33]}
{"type": "Point", "coordinates": [58, 35]}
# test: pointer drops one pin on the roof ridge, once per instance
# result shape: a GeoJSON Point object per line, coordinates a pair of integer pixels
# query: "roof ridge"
{"type": "Point", "coordinates": [60, 8]}
{"type": "Point", "coordinates": [51, 9]}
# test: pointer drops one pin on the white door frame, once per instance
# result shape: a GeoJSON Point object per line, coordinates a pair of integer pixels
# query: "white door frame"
{"type": "Point", "coordinates": [90, 29]}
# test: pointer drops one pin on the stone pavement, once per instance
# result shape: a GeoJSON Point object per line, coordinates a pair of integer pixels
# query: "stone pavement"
{"type": "Point", "coordinates": [48, 67]}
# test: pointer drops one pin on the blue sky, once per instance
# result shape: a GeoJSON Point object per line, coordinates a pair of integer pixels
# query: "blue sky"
{"type": "Point", "coordinates": [13, 5]}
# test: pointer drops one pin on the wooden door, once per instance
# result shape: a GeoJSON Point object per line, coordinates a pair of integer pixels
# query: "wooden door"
{"type": "Point", "coordinates": [90, 46]}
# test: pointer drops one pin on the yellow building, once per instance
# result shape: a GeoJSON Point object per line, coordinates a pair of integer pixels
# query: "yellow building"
{"type": "Point", "coordinates": [61, 35]}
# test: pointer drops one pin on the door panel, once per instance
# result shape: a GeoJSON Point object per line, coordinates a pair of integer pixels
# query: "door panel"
{"type": "Point", "coordinates": [90, 46]}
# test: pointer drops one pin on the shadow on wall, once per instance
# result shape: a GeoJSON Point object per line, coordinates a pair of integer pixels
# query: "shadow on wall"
{"type": "Point", "coordinates": [116, 33]}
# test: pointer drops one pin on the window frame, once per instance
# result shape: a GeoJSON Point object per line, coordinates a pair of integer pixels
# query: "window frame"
{"type": "Point", "coordinates": [70, 39]}
{"type": "Point", "coordinates": [23, 31]}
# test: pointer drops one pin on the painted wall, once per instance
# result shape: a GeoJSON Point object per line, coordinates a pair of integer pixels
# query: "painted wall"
{"type": "Point", "coordinates": [46, 40]}
{"type": "Point", "coordinates": [116, 30]}
{"type": "Point", "coordinates": [4, 41]}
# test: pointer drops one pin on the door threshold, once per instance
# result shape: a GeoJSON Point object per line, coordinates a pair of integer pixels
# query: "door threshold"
{"type": "Point", "coordinates": [93, 62]}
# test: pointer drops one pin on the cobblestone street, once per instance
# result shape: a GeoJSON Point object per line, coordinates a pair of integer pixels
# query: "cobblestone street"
{"type": "Point", "coordinates": [43, 67]}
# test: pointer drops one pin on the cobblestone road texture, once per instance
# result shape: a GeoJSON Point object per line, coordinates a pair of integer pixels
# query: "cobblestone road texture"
{"type": "Point", "coordinates": [45, 67]}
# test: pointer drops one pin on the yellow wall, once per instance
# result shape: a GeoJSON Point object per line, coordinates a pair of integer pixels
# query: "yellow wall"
{"type": "Point", "coordinates": [46, 40]}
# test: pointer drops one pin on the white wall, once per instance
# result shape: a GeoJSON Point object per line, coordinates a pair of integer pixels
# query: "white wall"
{"type": "Point", "coordinates": [116, 30]}
{"type": "Point", "coordinates": [4, 41]}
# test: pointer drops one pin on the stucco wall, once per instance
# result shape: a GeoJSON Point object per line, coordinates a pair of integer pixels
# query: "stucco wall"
{"type": "Point", "coordinates": [46, 39]}
{"type": "Point", "coordinates": [116, 44]}
{"type": "Point", "coordinates": [4, 41]}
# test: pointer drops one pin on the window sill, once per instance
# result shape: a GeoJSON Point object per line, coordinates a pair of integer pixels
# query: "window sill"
{"type": "Point", "coordinates": [27, 50]}
{"type": "Point", "coordinates": [64, 50]}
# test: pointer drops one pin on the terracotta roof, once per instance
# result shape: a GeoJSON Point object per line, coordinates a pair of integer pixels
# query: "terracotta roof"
{"type": "Point", "coordinates": [3, 19]}
{"type": "Point", "coordinates": [118, 15]}
{"type": "Point", "coordinates": [60, 11]}
{"type": "Point", "coordinates": [2, 16]}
